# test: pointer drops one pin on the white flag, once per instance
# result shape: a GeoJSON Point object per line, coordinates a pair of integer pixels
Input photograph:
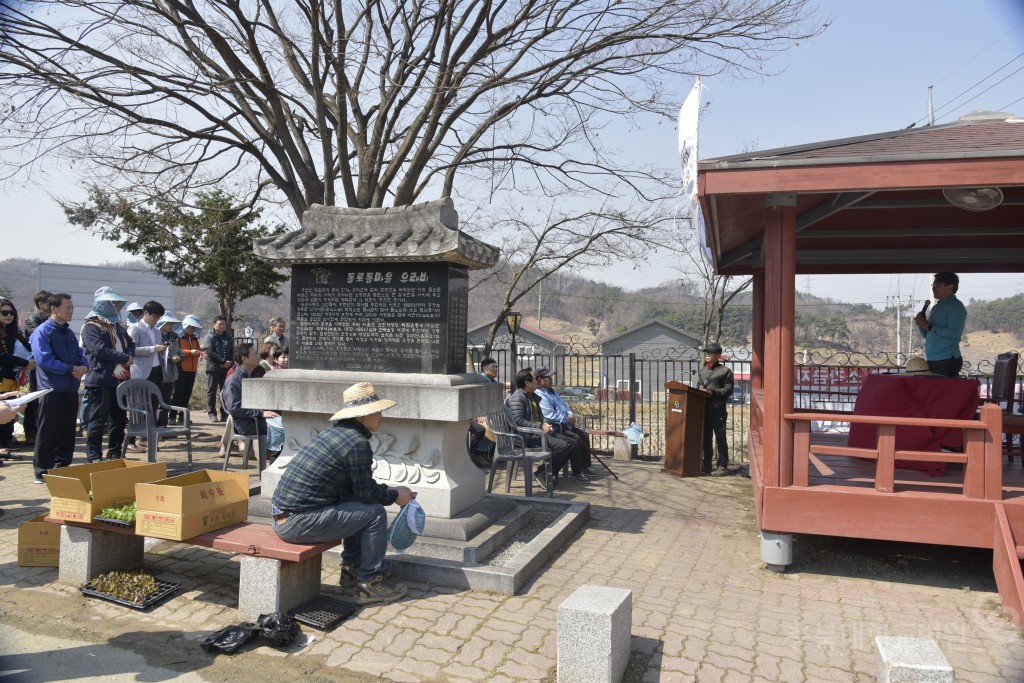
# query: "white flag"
{"type": "Point", "coordinates": [688, 122]}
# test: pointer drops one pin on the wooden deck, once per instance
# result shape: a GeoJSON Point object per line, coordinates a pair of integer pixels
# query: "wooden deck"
{"type": "Point", "coordinates": [830, 470]}
{"type": "Point", "coordinates": [821, 486]}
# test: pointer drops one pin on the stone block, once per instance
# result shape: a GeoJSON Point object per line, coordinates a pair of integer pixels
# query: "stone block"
{"type": "Point", "coordinates": [267, 585]}
{"type": "Point", "coordinates": [621, 448]}
{"type": "Point", "coordinates": [911, 660]}
{"type": "Point", "coordinates": [594, 635]}
{"type": "Point", "coordinates": [87, 553]}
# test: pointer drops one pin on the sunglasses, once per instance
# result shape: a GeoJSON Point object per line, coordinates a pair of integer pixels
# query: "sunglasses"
{"type": "Point", "coordinates": [7, 312]}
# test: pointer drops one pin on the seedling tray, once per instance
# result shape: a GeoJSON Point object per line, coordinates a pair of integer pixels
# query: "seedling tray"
{"type": "Point", "coordinates": [115, 522]}
{"type": "Point", "coordinates": [163, 589]}
{"type": "Point", "coordinates": [324, 613]}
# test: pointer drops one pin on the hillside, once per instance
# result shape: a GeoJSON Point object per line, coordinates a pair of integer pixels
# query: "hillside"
{"type": "Point", "coordinates": [573, 306]}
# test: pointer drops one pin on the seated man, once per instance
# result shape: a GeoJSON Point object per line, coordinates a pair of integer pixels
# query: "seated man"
{"type": "Point", "coordinates": [248, 421]}
{"type": "Point", "coordinates": [557, 412]}
{"type": "Point", "coordinates": [327, 492]}
{"type": "Point", "coordinates": [481, 439]}
{"type": "Point", "coordinates": [526, 413]}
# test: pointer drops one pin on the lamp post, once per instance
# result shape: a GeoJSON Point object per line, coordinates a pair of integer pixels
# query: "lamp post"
{"type": "Point", "coordinates": [513, 319]}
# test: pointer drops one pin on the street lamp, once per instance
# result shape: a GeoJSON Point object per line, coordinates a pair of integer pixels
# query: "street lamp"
{"type": "Point", "coordinates": [513, 319]}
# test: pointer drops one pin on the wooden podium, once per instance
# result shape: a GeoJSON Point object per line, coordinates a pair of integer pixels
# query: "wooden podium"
{"type": "Point", "coordinates": [684, 430]}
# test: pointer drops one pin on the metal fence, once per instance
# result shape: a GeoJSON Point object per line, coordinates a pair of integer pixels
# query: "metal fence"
{"type": "Point", "coordinates": [614, 390]}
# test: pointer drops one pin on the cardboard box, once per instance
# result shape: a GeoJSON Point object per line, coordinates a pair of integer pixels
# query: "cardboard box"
{"type": "Point", "coordinates": [181, 507]}
{"type": "Point", "coordinates": [38, 543]}
{"type": "Point", "coordinates": [112, 483]}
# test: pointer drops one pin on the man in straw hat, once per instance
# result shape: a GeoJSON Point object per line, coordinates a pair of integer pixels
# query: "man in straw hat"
{"type": "Point", "coordinates": [327, 492]}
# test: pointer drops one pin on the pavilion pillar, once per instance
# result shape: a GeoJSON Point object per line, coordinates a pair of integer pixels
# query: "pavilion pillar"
{"type": "Point", "coordinates": [779, 320]}
{"type": "Point", "coordinates": [757, 330]}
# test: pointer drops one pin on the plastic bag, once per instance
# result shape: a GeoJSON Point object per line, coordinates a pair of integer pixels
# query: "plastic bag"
{"type": "Point", "coordinates": [230, 638]}
{"type": "Point", "coordinates": [280, 628]}
{"type": "Point", "coordinates": [406, 526]}
{"type": "Point", "coordinates": [634, 433]}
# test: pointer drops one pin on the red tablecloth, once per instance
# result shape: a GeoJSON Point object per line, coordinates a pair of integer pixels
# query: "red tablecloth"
{"type": "Point", "coordinates": [915, 396]}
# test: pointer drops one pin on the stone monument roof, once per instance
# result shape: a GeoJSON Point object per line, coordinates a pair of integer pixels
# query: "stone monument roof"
{"type": "Point", "coordinates": [419, 233]}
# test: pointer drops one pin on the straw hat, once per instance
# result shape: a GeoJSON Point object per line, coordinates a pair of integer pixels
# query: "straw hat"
{"type": "Point", "coordinates": [917, 366]}
{"type": "Point", "coordinates": [359, 400]}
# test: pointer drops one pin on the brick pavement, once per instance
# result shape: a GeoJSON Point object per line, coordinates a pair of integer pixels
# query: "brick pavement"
{"type": "Point", "coordinates": [703, 607]}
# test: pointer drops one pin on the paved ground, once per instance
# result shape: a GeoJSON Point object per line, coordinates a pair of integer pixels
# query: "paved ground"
{"type": "Point", "coordinates": [704, 607]}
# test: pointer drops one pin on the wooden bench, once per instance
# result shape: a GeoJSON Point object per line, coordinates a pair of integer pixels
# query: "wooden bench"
{"type": "Point", "coordinates": [275, 575]}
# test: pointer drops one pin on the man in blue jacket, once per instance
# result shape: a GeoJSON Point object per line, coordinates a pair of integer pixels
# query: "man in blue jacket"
{"type": "Point", "coordinates": [60, 366]}
{"type": "Point", "coordinates": [110, 351]}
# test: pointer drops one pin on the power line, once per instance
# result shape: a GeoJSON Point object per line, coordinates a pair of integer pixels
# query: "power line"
{"type": "Point", "coordinates": [972, 87]}
{"type": "Point", "coordinates": [979, 53]}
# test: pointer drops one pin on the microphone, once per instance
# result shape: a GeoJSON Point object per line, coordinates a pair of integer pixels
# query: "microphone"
{"type": "Point", "coordinates": [924, 309]}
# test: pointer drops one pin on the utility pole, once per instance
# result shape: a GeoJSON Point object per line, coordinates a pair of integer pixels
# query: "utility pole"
{"type": "Point", "coordinates": [540, 293]}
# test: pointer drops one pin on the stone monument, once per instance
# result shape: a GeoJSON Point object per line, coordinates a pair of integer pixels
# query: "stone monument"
{"type": "Point", "coordinates": [381, 295]}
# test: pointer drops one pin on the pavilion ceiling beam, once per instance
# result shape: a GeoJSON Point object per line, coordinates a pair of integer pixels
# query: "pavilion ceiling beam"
{"type": "Point", "coordinates": [922, 203]}
{"type": "Point", "coordinates": [744, 254]}
{"type": "Point", "coordinates": [888, 233]}
{"type": "Point", "coordinates": [836, 203]}
{"type": "Point", "coordinates": [907, 256]}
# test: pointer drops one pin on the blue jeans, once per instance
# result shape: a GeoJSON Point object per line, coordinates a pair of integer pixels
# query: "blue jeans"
{"type": "Point", "coordinates": [363, 526]}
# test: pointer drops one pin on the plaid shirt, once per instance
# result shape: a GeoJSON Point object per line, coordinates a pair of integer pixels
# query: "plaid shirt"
{"type": "Point", "coordinates": [332, 468]}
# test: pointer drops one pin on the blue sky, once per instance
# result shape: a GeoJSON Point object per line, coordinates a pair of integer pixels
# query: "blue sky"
{"type": "Point", "coordinates": [869, 72]}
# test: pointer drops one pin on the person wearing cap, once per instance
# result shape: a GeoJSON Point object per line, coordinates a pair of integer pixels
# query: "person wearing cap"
{"type": "Point", "coordinates": [328, 492]}
{"type": "Point", "coordinates": [170, 362]}
{"type": "Point", "coordinates": [149, 351]}
{"type": "Point", "coordinates": [110, 352]}
{"type": "Point", "coordinates": [133, 313]}
{"type": "Point", "coordinates": [188, 342]}
{"type": "Point", "coordinates": [60, 366]}
{"type": "Point", "coordinates": [526, 413]}
{"type": "Point", "coordinates": [717, 380]}
{"type": "Point", "coordinates": [556, 411]}
{"type": "Point", "coordinates": [943, 327]}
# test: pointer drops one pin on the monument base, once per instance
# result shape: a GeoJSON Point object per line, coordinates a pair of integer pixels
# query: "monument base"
{"type": "Point", "coordinates": [422, 440]}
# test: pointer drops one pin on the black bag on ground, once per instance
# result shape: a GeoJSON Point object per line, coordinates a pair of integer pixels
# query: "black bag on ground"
{"type": "Point", "coordinates": [280, 628]}
{"type": "Point", "coordinates": [229, 638]}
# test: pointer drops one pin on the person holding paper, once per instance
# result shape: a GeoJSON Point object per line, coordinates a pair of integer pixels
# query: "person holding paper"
{"type": "Point", "coordinates": [14, 358]}
{"type": "Point", "coordinates": [32, 321]}
{"type": "Point", "coordinates": [60, 366]}
{"type": "Point", "coordinates": [110, 352]}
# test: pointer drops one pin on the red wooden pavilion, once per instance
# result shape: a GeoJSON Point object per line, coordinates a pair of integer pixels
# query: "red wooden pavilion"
{"type": "Point", "coordinates": [880, 203]}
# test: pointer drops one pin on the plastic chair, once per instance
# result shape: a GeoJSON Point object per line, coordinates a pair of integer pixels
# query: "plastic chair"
{"type": "Point", "coordinates": [229, 438]}
{"type": "Point", "coordinates": [141, 401]}
{"type": "Point", "coordinates": [510, 448]}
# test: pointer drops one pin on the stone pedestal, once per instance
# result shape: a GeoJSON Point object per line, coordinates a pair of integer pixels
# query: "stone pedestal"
{"type": "Point", "coordinates": [422, 440]}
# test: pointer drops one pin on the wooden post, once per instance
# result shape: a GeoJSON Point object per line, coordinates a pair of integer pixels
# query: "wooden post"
{"type": "Point", "coordinates": [885, 468]}
{"type": "Point", "coordinates": [779, 319]}
{"type": "Point", "coordinates": [992, 416]}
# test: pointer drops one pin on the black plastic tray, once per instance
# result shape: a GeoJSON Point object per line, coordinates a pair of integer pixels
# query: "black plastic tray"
{"type": "Point", "coordinates": [163, 589]}
{"type": "Point", "coordinates": [114, 522]}
{"type": "Point", "coordinates": [324, 613]}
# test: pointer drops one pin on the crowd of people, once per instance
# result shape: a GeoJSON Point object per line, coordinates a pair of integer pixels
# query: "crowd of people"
{"type": "Point", "coordinates": [80, 372]}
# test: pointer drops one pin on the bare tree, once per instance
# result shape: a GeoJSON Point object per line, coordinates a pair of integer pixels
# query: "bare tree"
{"type": "Point", "coordinates": [716, 291]}
{"type": "Point", "coordinates": [362, 103]}
{"type": "Point", "coordinates": [539, 248]}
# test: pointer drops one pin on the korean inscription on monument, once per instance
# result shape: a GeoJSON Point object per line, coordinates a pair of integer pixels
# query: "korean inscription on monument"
{"type": "Point", "coordinates": [380, 317]}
